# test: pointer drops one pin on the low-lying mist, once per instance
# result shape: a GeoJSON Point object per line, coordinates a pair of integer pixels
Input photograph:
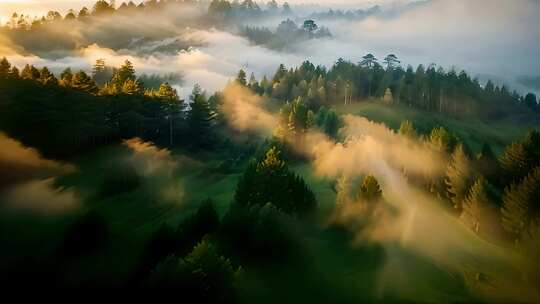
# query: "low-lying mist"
{"type": "Point", "coordinates": [412, 219]}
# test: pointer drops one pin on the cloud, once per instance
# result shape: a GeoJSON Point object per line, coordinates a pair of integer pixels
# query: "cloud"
{"type": "Point", "coordinates": [374, 148]}
{"type": "Point", "coordinates": [243, 110]}
{"type": "Point", "coordinates": [158, 166]}
{"type": "Point", "coordinates": [40, 196]}
{"type": "Point", "coordinates": [149, 159]}
{"type": "Point", "coordinates": [19, 163]}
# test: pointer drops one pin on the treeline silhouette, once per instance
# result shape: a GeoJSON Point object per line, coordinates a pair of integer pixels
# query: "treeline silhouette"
{"type": "Point", "coordinates": [83, 115]}
{"type": "Point", "coordinates": [218, 9]}
{"type": "Point", "coordinates": [429, 88]}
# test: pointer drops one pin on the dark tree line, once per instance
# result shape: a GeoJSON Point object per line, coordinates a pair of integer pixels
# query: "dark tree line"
{"type": "Point", "coordinates": [287, 33]}
{"type": "Point", "coordinates": [433, 88]}
{"type": "Point", "coordinates": [83, 115]}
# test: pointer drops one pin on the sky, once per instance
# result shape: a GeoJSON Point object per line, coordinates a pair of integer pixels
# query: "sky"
{"type": "Point", "coordinates": [40, 7]}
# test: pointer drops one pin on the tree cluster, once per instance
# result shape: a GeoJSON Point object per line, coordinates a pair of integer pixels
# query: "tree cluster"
{"type": "Point", "coordinates": [432, 89]}
{"type": "Point", "coordinates": [83, 115]}
{"type": "Point", "coordinates": [286, 34]}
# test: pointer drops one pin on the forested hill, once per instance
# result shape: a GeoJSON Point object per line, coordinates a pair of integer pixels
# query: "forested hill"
{"type": "Point", "coordinates": [113, 103]}
{"type": "Point", "coordinates": [430, 88]}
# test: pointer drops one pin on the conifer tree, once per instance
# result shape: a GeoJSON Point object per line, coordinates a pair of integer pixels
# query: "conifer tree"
{"type": "Point", "coordinates": [443, 140]}
{"type": "Point", "coordinates": [332, 124]}
{"type": "Point", "coordinates": [5, 67]}
{"type": "Point", "coordinates": [458, 177]}
{"type": "Point", "coordinates": [241, 78]}
{"type": "Point", "coordinates": [14, 73]}
{"type": "Point", "coordinates": [82, 82]}
{"type": "Point", "coordinates": [521, 205]}
{"type": "Point", "coordinates": [47, 78]}
{"type": "Point", "coordinates": [479, 206]}
{"type": "Point", "coordinates": [407, 129]}
{"type": "Point", "coordinates": [174, 107]}
{"type": "Point", "coordinates": [370, 191]}
{"type": "Point", "coordinates": [486, 163]}
{"type": "Point", "coordinates": [131, 87]}
{"type": "Point", "coordinates": [124, 73]}
{"type": "Point", "coordinates": [30, 72]}
{"type": "Point", "coordinates": [100, 73]}
{"type": "Point", "coordinates": [521, 157]}
{"type": "Point", "coordinates": [269, 181]}
{"type": "Point", "coordinates": [200, 119]}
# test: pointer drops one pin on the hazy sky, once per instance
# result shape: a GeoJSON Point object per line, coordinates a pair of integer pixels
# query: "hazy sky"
{"type": "Point", "coordinates": [40, 7]}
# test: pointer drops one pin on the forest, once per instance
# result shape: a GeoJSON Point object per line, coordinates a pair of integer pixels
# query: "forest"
{"type": "Point", "coordinates": [235, 152]}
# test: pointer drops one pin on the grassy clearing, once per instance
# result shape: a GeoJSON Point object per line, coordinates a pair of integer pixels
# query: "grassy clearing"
{"type": "Point", "coordinates": [473, 132]}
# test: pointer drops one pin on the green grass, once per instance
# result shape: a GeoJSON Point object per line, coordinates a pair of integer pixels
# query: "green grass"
{"type": "Point", "coordinates": [471, 131]}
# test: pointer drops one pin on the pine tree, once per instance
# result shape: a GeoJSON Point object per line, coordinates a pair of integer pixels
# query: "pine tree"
{"type": "Point", "coordinates": [200, 119]}
{"type": "Point", "coordinates": [295, 120]}
{"type": "Point", "coordinates": [407, 129]}
{"type": "Point", "coordinates": [521, 205]}
{"type": "Point", "coordinates": [14, 73]}
{"type": "Point", "coordinates": [514, 161]}
{"type": "Point", "coordinates": [124, 73]}
{"type": "Point", "coordinates": [281, 71]}
{"type": "Point", "coordinates": [332, 124]}
{"type": "Point", "coordinates": [100, 73]}
{"type": "Point", "coordinates": [458, 177]}
{"type": "Point", "coordinates": [82, 82]}
{"type": "Point", "coordinates": [83, 13]}
{"type": "Point", "coordinates": [269, 181]}
{"type": "Point", "coordinates": [131, 87]}
{"type": "Point", "coordinates": [241, 78]}
{"type": "Point", "coordinates": [479, 207]}
{"type": "Point", "coordinates": [521, 157]}
{"type": "Point", "coordinates": [443, 140]}
{"type": "Point", "coordinates": [47, 78]}
{"type": "Point", "coordinates": [486, 163]}
{"type": "Point", "coordinates": [174, 107]}
{"type": "Point", "coordinates": [30, 72]}
{"type": "Point", "coordinates": [370, 191]}
{"type": "Point", "coordinates": [103, 7]}
{"type": "Point", "coordinates": [66, 77]}
{"type": "Point", "coordinates": [5, 67]}
{"type": "Point", "coordinates": [167, 92]}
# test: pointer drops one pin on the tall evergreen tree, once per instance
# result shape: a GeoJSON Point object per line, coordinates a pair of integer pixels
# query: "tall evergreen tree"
{"type": "Point", "coordinates": [30, 72]}
{"type": "Point", "coordinates": [200, 119]}
{"type": "Point", "coordinates": [82, 82]}
{"type": "Point", "coordinates": [479, 208]}
{"type": "Point", "coordinates": [370, 190]}
{"type": "Point", "coordinates": [486, 163]}
{"type": "Point", "coordinates": [458, 177]}
{"type": "Point", "coordinates": [124, 73]}
{"type": "Point", "coordinates": [47, 78]}
{"type": "Point", "coordinates": [407, 129]}
{"type": "Point", "coordinates": [101, 73]}
{"type": "Point", "coordinates": [521, 205]}
{"type": "Point", "coordinates": [241, 77]}
{"type": "Point", "coordinates": [131, 87]}
{"type": "Point", "coordinates": [443, 140]}
{"type": "Point", "coordinates": [520, 157]}
{"type": "Point", "coordinates": [174, 107]}
{"type": "Point", "coordinates": [269, 181]}
{"type": "Point", "coordinates": [5, 67]}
